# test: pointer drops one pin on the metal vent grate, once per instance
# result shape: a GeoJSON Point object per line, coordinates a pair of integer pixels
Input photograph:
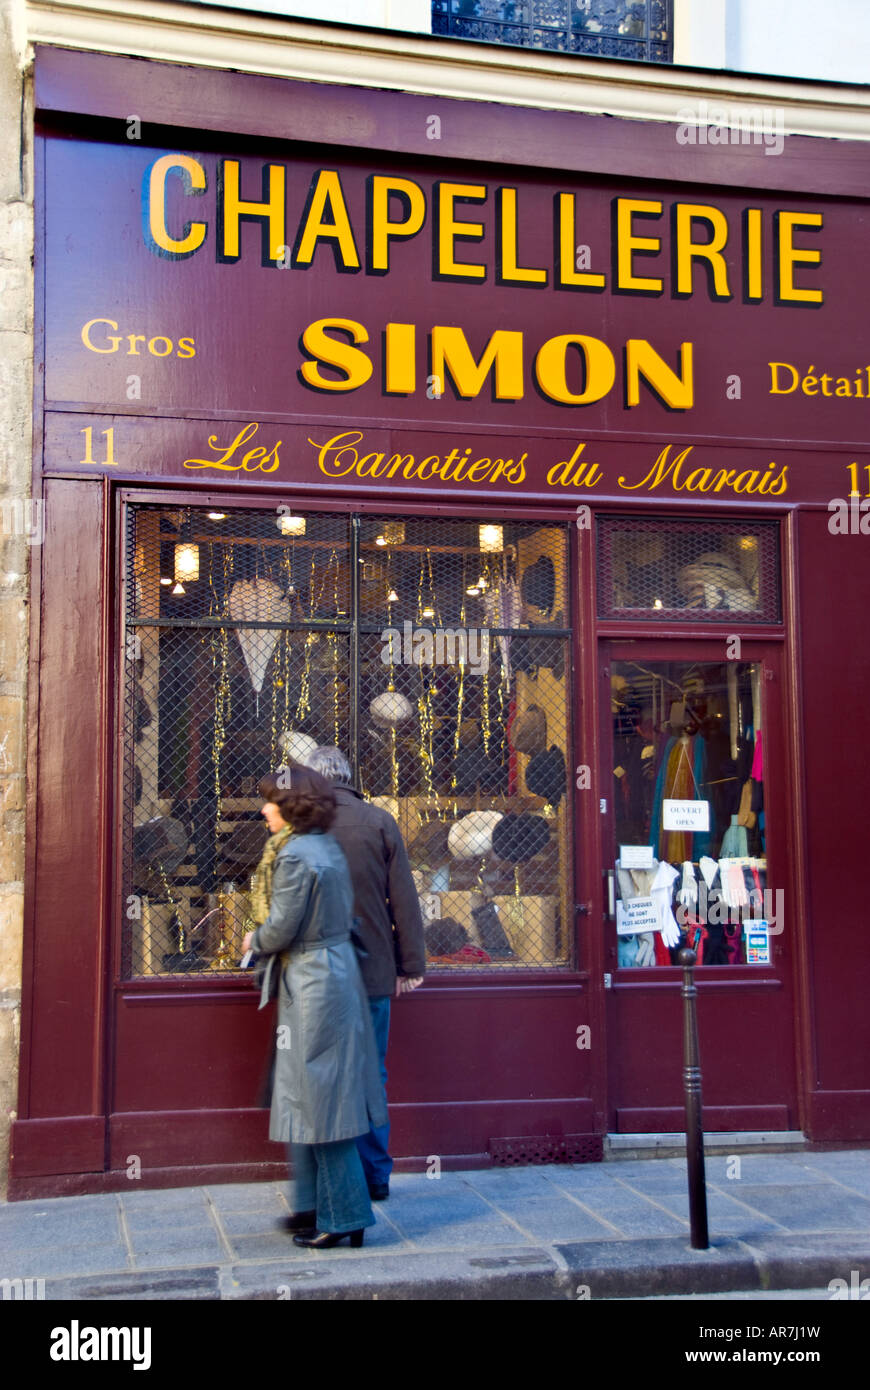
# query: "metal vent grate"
{"type": "Point", "coordinates": [568, 1148]}
{"type": "Point", "coordinates": [664, 569]}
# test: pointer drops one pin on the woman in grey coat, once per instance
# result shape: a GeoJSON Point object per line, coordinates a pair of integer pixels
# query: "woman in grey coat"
{"type": "Point", "coordinates": [326, 1089]}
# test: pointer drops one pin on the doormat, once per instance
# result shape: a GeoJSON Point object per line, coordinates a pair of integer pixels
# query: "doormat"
{"type": "Point", "coordinates": [545, 1148]}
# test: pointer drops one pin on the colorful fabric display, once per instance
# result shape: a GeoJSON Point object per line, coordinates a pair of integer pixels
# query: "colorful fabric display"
{"type": "Point", "coordinates": [735, 844]}
{"type": "Point", "coordinates": [757, 773]}
{"type": "Point", "coordinates": [680, 775]}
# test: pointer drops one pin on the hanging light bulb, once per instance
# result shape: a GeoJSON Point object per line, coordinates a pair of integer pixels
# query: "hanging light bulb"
{"type": "Point", "coordinates": [657, 603]}
{"type": "Point", "coordinates": [428, 613]}
{"type": "Point", "coordinates": [473, 590]}
{"type": "Point", "coordinates": [165, 580]}
{"type": "Point", "coordinates": [380, 540]}
{"type": "Point", "coordinates": [392, 597]}
{"type": "Point", "coordinates": [290, 525]}
{"type": "Point", "coordinates": [483, 583]}
{"type": "Point", "coordinates": [186, 562]}
{"type": "Point", "coordinates": [178, 589]}
{"type": "Point", "coordinates": [216, 516]}
{"type": "Point", "coordinates": [491, 539]}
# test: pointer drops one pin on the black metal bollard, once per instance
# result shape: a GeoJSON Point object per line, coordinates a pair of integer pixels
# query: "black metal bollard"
{"type": "Point", "coordinates": [692, 1087]}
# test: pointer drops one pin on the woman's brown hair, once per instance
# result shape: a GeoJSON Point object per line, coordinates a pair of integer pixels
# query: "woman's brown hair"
{"type": "Point", "coordinates": [303, 797]}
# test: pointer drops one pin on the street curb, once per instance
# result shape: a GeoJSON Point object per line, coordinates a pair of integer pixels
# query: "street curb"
{"type": "Point", "coordinates": [577, 1271]}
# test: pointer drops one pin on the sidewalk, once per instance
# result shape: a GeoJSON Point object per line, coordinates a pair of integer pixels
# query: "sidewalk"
{"type": "Point", "coordinates": [617, 1230]}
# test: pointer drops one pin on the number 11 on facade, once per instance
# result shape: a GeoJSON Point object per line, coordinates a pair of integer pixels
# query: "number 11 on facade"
{"type": "Point", "coordinates": [88, 433]}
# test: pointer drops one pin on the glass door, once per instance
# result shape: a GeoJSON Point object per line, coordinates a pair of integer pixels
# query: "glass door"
{"type": "Point", "coordinates": [694, 856]}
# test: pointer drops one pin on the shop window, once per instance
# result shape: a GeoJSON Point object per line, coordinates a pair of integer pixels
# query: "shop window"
{"type": "Point", "coordinates": [689, 820]}
{"type": "Point", "coordinates": [433, 652]}
{"type": "Point", "coordinates": [688, 571]}
{"type": "Point", "coordinates": [639, 29]}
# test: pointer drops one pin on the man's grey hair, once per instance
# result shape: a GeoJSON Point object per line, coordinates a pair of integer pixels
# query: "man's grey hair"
{"type": "Point", "coordinates": [331, 764]}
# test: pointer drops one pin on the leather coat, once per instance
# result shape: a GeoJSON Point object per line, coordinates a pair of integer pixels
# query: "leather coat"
{"type": "Point", "coordinates": [326, 1082]}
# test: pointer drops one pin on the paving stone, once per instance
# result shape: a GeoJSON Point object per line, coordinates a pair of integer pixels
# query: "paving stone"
{"type": "Point", "coordinates": [250, 1196]}
{"type": "Point", "coordinates": [176, 1200]}
{"type": "Point", "coordinates": [251, 1222]}
{"type": "Point", "coordinates": [460, 1235]}
{"type": "Point", "coordinates": [173, 1246]}
{"type": "Point", "coordinates": [761, 1168]}
{"type": "Point", "coordinates": [553, 1218]}
{"type": "Point", "coordinates": [819, 1207]}
{"type": "Point", "coordinates": [633, 1215]}
{"type": "Point", "coordinates": [91, 1226]}
{"type": "Point", "coordinates": [76, 1258]}
{"type": "Point", "coordinates": [142, 1223]}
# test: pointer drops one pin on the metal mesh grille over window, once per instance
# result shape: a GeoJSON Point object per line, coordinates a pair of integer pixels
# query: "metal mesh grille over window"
{"type": "Point", "coordinates": [433, 652]}
{"type": "Point", "coordinates": [689, 571]}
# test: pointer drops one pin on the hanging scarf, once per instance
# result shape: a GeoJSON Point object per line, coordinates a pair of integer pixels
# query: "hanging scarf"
{"type": "Point", "coordinates": [261, 882]}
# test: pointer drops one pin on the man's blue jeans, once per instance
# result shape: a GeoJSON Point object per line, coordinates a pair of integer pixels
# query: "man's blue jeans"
{"type": "Point", "coordinates": [374, 1146]}
{"type": "Point", "coordinates": [329, 1181]}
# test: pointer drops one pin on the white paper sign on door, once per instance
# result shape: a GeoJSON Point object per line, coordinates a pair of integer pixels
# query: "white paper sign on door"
{"type": "Point", "coordinates": [635, 856]}
{"type": "Point", "coordinates": [685, 815]}
{"type": "Point", "coordinates": [638, 914]}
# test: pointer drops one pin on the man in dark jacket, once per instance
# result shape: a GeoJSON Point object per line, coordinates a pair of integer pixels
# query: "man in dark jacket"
{"type": "Point", "coordinates": [390, 927]}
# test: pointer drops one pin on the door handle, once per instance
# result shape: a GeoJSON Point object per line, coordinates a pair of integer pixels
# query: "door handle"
{"type": "Point", "coordinates": [610, 876]}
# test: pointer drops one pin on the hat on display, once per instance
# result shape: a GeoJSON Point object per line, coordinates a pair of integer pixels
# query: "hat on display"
{"type": "Point", "coordinates": [389, 709]}
{"type": "Point", "coordinates": [518, 838]}
{"type": "Point", "coordinates": [296, 746]}
{"type": "Point", "coordinates": [714, 581]}
{"type": "Point", "coordinates": [445, 936]}
{"type": "Point", "coordinates": [538, 584]}
{"type": "Point", "coordinates": [529, 731]}
{"type": "Point", "coordinates": [546, 777]}
{"type": "Point", "coordinates": [470, 837]}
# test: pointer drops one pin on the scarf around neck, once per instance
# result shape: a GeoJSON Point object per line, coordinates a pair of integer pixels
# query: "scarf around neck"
{"type": "Point", "coordinates": [261, 882]}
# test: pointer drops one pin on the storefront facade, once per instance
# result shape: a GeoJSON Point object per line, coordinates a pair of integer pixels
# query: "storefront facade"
{"type": "Point", "coordinates": [498, 447]}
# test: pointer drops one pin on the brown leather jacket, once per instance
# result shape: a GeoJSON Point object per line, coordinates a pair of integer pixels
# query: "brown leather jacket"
{"type": "Point", "coordinates": [385, 901]}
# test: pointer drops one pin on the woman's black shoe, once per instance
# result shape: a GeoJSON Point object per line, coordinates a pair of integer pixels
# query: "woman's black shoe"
{"type": "Point", "coordinates": [305, 1222]}
{"type": "Point", "coordinates": [379, 1191]}
{"type": "Point", "coordinates": [324, 1240]}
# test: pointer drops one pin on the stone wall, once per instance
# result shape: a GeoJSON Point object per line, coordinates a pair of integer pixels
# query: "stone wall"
{"type": "Point", "coordinates": [20, 531]}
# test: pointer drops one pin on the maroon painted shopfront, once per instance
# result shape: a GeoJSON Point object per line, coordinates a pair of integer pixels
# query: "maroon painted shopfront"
{"type": "Point", "coordinates": [505, 452]}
